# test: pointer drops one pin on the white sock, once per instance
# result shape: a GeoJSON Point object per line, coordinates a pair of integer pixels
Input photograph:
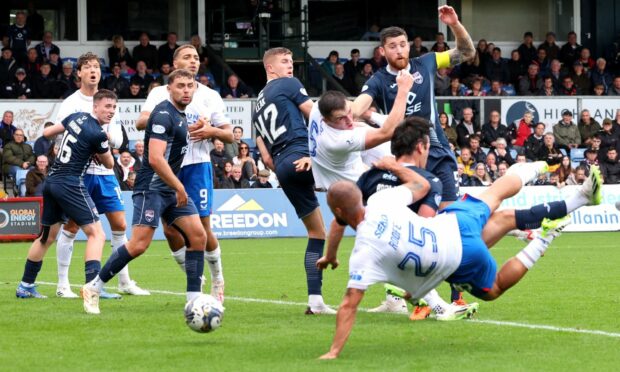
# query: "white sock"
{"type": "Point", "coordinates": [315, 301]}
{"type": "Point", "coordinates": [526, 171]}
{"type": "Point", "coordinates": [532, 252]}
{"type": "Point", "coordinates": [64, 251]}
{"type": "Point", "coordinates": [118, 239]}
{"type": "Point", "coordinates": [96, 284]}
{"type": "Point", "coordinates": [191, 295]}
{"type": "Point", "coordinates": [179, 257]}
{"type": "Point", "coordinates": [214, 261]}
{"type": "Point", "coordinates": [435, 302]}
{"type": "Point", "coordinates": [575, 201]}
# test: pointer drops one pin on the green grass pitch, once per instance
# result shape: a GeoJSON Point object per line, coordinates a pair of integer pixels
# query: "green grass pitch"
{"type": "Point", "coordinates": [569, 301]}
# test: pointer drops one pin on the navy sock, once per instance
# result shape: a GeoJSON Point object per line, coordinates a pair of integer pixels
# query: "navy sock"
{"type": "Point", "coordinates": [91, 269]}
{"type": "Point", "coordinates": [31, 270]}
{"type": "Point", "coordinates": [119, 259]}
{"type": "Point", "coordinates": [454, 295]}
{"type": "Point", "coordinates": [532, 218]}
{"type": "Point", "coordinates": [194, 268]}
{"type": "Point", "coordinates": [314, 276]}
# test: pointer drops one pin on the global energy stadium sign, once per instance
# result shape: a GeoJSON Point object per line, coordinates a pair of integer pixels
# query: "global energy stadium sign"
{"type": "Point", "coordinates": [20, 218]}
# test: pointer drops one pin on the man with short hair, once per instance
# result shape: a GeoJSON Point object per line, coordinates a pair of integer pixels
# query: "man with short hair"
{"type": "Point", "coordinates": [466, 127]}
{"type": "Point", "coordinates": [588, 127]}
{"type": "Point", "coordinates": [142, 77]}
{"type": "Point", "coordinates": [165, 53]}
{"type": "Point", "coordinates": [8, 66]}
{"type": "Point", "coordinates": [6, 129]}
{"type": "Point", "coordinates": [218, 158]}
{"type": "Point", "coordinates": [610, 167]}
{"type": "Point", "coordinates": [19, 37]}
{"type": "Point", "coordinates": [42, 144]}
{"type": "Point", "coordinates": [238, 182]}
{"type": "Point", "coordinates": [566, 132]}
{"type": "Point", "coordinates": [263, 180]}
{"type": "Point", "coordinates": [35, 177]}
{"type": "Point", "coordinates": [534, 142]}
{"type": "Point", "coordinates": [46, 47]}
{"type": "Point", "coordinates": [17, 154]}
{"type": "Point", "coordinates": [232, 148]}
{"type": "Point", "coordinates": [116, 82]}
{"type": "Point", "coordinates": [614, 89]}
{"type": "Point", "coordinates": [147, 52]}
{"type": "Point", "coordinates": [353, 66]}
{"type": "Point", "coordinates": [234, 88]}
{"type": "Point", "coordinates": [493, 130]}
{"type": "Point", "coordinates": [138, 154]}
{"type": "Point", "coordinates": [570, 51]}
{"type": "Point", "coordinates": [530, 84]}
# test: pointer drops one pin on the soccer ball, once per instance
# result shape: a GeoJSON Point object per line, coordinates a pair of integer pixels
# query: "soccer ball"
{"type": "Point", "coordinates": [115, 135]}
{"type": "Point", "coordinates": [204, 313]}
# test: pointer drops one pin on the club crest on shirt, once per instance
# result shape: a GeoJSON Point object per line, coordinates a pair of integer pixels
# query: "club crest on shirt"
{"type": "Point", "coordinates": [149, 214]}
{"type": "Point", "coordinates": [417, 77]}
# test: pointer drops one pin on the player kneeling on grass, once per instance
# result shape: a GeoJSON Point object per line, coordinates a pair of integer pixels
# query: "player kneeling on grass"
{"type": "Point", "coordinates": [159, 193]}
{"type": "Point", "coordinates": [64, 193]}
{"type": "Point", "coordinates": [396, 246]}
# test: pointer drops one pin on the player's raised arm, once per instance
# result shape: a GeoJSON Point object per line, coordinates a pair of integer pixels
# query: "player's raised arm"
{"type": "Point", "coordinates": [54, 130]}
{"type": "Point", "coordinates": [464, 50]}
{"type": "Point", "coordinates": [344, 321]}
{"type": "Point", "coordinates": [417, 184]}
{"type": "Point", "coordinates": [360, 105]}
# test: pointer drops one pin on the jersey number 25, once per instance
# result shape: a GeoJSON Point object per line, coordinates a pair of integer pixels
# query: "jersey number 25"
{"type": "Point", "coordinates": [420, 243]}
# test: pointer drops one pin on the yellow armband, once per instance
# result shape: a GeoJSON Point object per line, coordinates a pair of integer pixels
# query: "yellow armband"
{"type": "Point", "coordinates": [443, 59]}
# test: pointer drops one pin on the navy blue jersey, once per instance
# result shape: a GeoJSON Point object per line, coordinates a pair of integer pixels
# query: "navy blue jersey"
{"type": "Point", "coordinates": [277, 117]}
{"type": "Point", "coordinates": [382, 88]}
{"type": "Point", "coordinates": [83, 137]}
{"type": "Point", "coordinates": [18, 37]}
{"type": "Point", "coordinates": [376, 179]}
{"type": "Point", "coordinates": [167, 124]}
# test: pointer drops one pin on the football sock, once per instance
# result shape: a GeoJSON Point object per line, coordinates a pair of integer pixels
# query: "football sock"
{"type": "Point", "coordinates": [435, 302]}
{"type": "Point", "coordinates": [194, 267]}
{"type": "Point", "coordinates": [526, 171]}
{"type": "Point", "coordinates": [214, 261]}
{"type": "Point", "coordinates": [119, 238]}
{"type": "Point", "coordinates": [91, 269]}
{"type": "Point", "coordinates": [454, 295]}
{"type": "Point", "coordinates": [179, 257]}
{"type": "Point", "coordinates": [31, 270]}
{"type": "Point", "coordinates": [64, 251]}
{"type": "Point", "coordinates": [575, 201]}
{"type": "Point", "coordinates": [118, 259]}
{"type": "Point", "coordinates": [533, 251]}
{"type": "Point", "coordinates": [314, 276]}
{"type": "Point", "coordinates": [532, 218]}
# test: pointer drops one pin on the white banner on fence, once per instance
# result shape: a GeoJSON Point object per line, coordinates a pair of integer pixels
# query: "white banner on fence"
{"type": "Point", "coordinates": [548, 111]}
{"type": "Point", "coordinates": [601, 108]}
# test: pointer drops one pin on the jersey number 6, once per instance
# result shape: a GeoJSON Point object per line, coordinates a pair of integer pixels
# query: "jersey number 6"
{"type": "Point", "coordinates": [421, 242]}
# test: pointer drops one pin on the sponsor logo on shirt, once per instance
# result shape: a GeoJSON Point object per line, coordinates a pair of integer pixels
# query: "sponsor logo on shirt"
{"type": "Point", "coordinates": [417, 78]}
{"type": "Point", "coordinates": [381, 226]}
{"type": "Point", "coordinates": [159, 129]}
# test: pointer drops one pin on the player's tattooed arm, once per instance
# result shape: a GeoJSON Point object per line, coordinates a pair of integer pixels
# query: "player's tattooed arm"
{"type": "Point", "coordinates": [464, 50]}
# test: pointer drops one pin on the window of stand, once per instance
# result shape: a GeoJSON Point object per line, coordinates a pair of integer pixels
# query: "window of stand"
{"type": "Point", "coordinates": [57, 16]}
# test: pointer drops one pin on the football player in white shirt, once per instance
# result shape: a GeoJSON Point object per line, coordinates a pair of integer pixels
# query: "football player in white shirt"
{"type": "Point", "coordinates": [207, 119]}
{"type": "Point", "coordinates": [101, 184]}
{"type": "Point", "coordinates": [395, 245]}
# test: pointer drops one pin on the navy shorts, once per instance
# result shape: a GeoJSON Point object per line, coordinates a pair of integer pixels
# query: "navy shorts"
{"type": "Point", "coordinates": [443, 165]}
{"type": "Point", "coordinates": [476, 273]}
{"type": "Point", "coordinates": [198, 182]}
{"type": "Point", "coordinates": [105, 192]}
{"type": "Point", "coordinates": [62, 201]}
{"type": "Point", "coordinates": [297, 186]}
{"type": "Point", "coordinates": [149, 206]}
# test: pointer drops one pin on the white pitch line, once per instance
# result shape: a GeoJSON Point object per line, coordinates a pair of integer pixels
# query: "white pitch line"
{"type": "Point", "coordinates": [482, 321]}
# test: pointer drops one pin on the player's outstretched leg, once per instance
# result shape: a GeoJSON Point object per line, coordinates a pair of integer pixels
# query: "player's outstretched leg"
{"type": "Point", "coordinates": [34, 261]}
{"type": "Point", "coordinates": [64, 252]}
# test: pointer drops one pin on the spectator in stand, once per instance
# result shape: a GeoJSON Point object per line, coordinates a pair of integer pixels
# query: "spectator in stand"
{"type": "Point", "coordinates": [547, 88]}
{"type": "Point", "coordinates": [591, 158]}
{"type": "Point", "coordinates": [522, 130]}
{"type": "Point", "coordinates": [542, 62]}
{"type": "Point", "coordinates": [497, 89]}
{"type": "Point", "coordinates": [586, 60]}
{"type": "Point", "coordinates": [197, 43]}
{"type": "Point", "coordinates": [19, 37]}
{"type": "Point", "coordinates": [535, 142]}
{"type": "Point", "coordinates": [42, 144]}
{"type": "Point", "coordinates": [599, 90]}
{"type": "Point", "coordinates": [555, 71]}
{"type": "Point", "coordinates": [378, 60]}
{"type": "Point", "coordinates": [6, 129]}
{"type": "Point", "coordinates": [123, 165]}
{"type": "Point", "coordinates": [457, 106]}
{"type": "Point", "coordinates": [450, 133]}
{"type": "Point", "coordinates": [570, 51]}
{"type": "Point", "coordinates": [147, 52]}
{"type": "Point", "coordinates": [549, 45]}
{"type": "Point", "coordinates": [372, 34]}
{"type": "Point", "coordinates": [35, 21]}
{"type": "Point", "coordinates": [118, 52]}
{"type": "Point", "coordinates": [35, 177]}
{"type": "Point", "coordinates": [44, 85]}
{"type": "Point", "coordinates": [466, 161]}
{"type": "Point", "coordinates": [475, 90]}
{"type": "Point", "coordinates": [232, 149]}
{"type": "Point", "coordinates": [564, 171]}
{"type": "Point", "coordinates": [493, 130]}
{"type": "Point", "coordinates": [568, 87]}
{"type": "Point", "coordinates": [55, 64]}
{"type": "Point", "coordinates": [550, 152]}
{"type": "Point", "coordinates": [344, 81]}
{"type": "Point", "coordinates": [477, 153]}
{"type": "Point", "coordinates": [33, 63]}
{"type": "Point", "coordinates": [491, 164]}
{"type": "Point", "coordinates": [502, 168]}
{"type": "Point", "coordinates": [600, 75]}
{"type": "Point", "coordinates": [521, 158]}
{"type": "Point", "coordinates": [581, 79]}
{"type": "Point", "coordinates": [17, 154]}
{"type": "Point", "coordinates": [237, 180]}
{"type": "Point", "coordinates": [481, 51]}
{"type": "Point", "coordinates": [362, 77]}
{"type": "Point", "coordinates": [516, 69]}
{"type": "Point", "coordinates": [138, 154]}
{"type": "Point", "coordinates": [8, 66]}
{"type": "Point", "coordinates": [263, 180]}
{"type": "Point", "coordinates": [466, 128]}
{"type": "Point", "coordinates": [224, 182]}
{"type": "Point", "coordinates": [527, 50]}
{"type": "Point", "coordinates": [218, 158]}
{"type": "Point", "coordinates": [614, 89]}
{"type": "Point", "coordinates": [126, 69]}
{"type": "Point", "coordinates": [234, 88]}
{"type": "Point", "coordinates": [530, 84]}
{"type": "Point", "coordinates": [353, 66]}
{"type": "Point", "coordinates": [497, 67]}
{"type": "Point", "coordinates": [608, 139]}
{"type": "Point", "coordinates": [417, 49]}
{"type": "Point", "coordinates": [115, 82]}
{"type": "Point", "coordinates": [245, 161]}
{"type": "Point", "coordinates": [617, 123]}
{"type": "Point", "coordinates": [542, 180]}
{"type": "Point", "coordinates": [166, 51]}
{"type": "Point", "coordinates": [206, 81]}
{"type": "Point", "coordinates": [588, 127]}
{"type": "Point", "coordinates": [19, 88]}
{"type": "Point", "coordinates": [52, 154]}
{"type": "Point", "coordinates": [67, 80]}
{"type": "Point", "coordinates": [610, 167]}
{"type": "Point", "coordinates": [142, 77]}
{"type": "Point", "coordinates": [164, 71]}
{"type": "Point", "coordinates": [442, 81]}
{"type": "Point", "coordinates": [329, 64]}
{"type": "Point", "coordinates": [462, 177]}
{"type": "Point", "coordinates": [578, 176]}
{"type": "Point", "coordinates": [440, 43]}
{"type": "Point", "coordinates": [481, 176]}
{"type": "Point", "coordinates": [46, 47]}
{"type": "Point", "coordinates": [134, 91]}
{"type": "Point", "coordinates": [566, 132]}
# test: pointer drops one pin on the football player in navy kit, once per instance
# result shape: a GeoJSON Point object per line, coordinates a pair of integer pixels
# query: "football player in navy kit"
{"type": "Point", "coordinates": [279, 119]}
{"type": "Point", "coordinates": [64, 192]}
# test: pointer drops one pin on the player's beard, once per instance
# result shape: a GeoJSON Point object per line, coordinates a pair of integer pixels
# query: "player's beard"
{"type": "Point", "coordinates": [399, 63]}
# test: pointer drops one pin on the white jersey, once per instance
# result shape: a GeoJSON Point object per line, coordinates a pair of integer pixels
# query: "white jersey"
{"type": "Point", "coordinates": [336, 154]}
{"type": "Point", "coordinates": [78, 102]}
{"type": "Point", "coordinates": [397, 246]}
{"type": "Point", "coordinates": [205, 103]}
